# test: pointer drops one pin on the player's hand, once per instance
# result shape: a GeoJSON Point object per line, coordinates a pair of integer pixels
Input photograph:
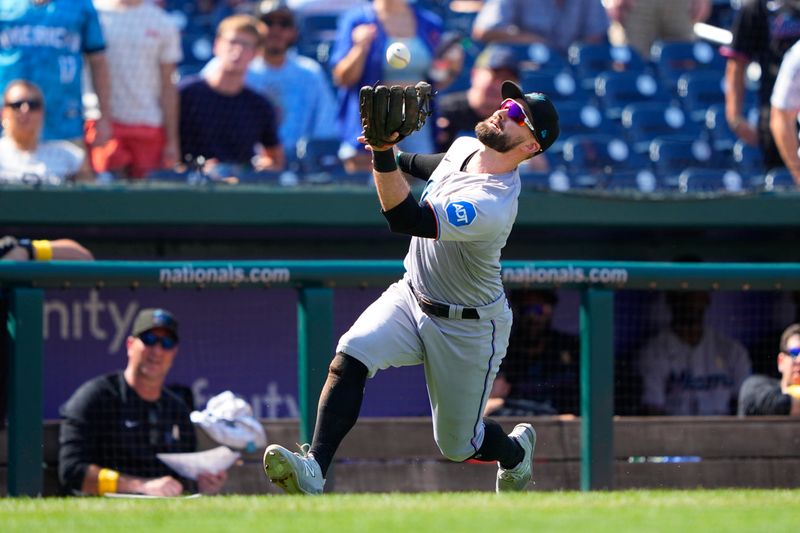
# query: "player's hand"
{"type": "Point", "coordinates": [162, 486]}
{"type": "Point", "coordinates": [208, 483]}
{"type": "Point", "coordinates": [363, 140]}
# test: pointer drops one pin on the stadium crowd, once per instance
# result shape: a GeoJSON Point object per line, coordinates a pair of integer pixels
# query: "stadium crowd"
{"type": "Point", "coordinates": [640, 90]}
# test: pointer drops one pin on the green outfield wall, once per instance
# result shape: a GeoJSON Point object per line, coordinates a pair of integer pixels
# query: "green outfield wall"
{"type": "Point", "coordinates": [597, 280]}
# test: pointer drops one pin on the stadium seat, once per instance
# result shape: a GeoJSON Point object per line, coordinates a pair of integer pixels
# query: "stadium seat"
{"type": "Point", "coordinates": [197, 51]}
{"type": "Point", "coordinates": [779, 180]}
{"type": "Point", "coordinates": [749, 160]}
{"type": "Point", "coordinates": [699, 90]}
{"type": "Point", "coordinates": [556, 180]}
{"type": "Point", "coordinates": [615, 90]}
{"type": "Point", "coordinates": [575, 118]}
{"type": "Point", "coordinates": [670, 157]}
{"type": "Point", "coordinates": [319, 155]}
{"type": "Point", "coordinates": [674, 58]}
{"type": "Point", "coordinates": [645, 121]}
{"type": "Point", "coordinates": [710, 180]}
{"type": "Point", "coordinates": [269, 177]}
{"type": "Point", "coordinates": [539, 57]}
{"type": "Point", "coordinates": [719, 134]}
{"type": "Point", "coordinates": [559, 86]}
{"type": "Point", "coordinates": [631, 180]}
{"type": "Point", "coordinates": [599, 154]}
{"type": "Point", "coordinates": [589, 60]}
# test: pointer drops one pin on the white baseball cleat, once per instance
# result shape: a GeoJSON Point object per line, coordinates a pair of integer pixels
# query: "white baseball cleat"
{"type": "Point", "coordinates": [293, 472]}
{"type": "Point", "coordinates": [517, 478]}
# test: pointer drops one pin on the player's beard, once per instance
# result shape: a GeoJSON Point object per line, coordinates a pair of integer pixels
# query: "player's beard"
{"type": "Point", "coordinates": [497, 140]}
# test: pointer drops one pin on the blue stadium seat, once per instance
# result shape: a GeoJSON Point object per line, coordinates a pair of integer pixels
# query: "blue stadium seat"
{"type": "Point", "coordinates": [698, 90]}
{"type": "Point", "coordinates": [575, 118]}
{"type": "Point", "coordinates": [710, 180]}
{"type": "Point", "coordinates": [539, 57]}
{"type": "Point", "coordinates": [559, 86]}
{"type": "Point", "coordinates": [749, 160]}
{"type": "Point", "coordinates": [779, 180]}
{"type": "Point", "coordinates": [269, 177]}
{"type": "Point", "coordinates": [644, 181]}
{"type": "Point", "coordinates": [615, 90]}
{"type": "Point", "coordinates": [671, 59]}
{"type": "Point", "coordinates": [719, 134]}
{"type": "Point", "coordinates": [589, 60]}
{"type": "Point", "coordinates": [319, 155]}
{"type": "Point", "coordinates": [556, 180]}
{"type": "Point", "coordinates": [645, 121]}
{"type": "Point", "coordinates": [599, 154]}
{"type": "Point", "coordinates": [198, 48]}
{"type": "Point", "coordinates": [670, 157]}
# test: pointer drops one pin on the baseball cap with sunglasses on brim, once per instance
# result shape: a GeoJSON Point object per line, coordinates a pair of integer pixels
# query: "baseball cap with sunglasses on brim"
{"type": "Point", "coordinates": [540, 111]}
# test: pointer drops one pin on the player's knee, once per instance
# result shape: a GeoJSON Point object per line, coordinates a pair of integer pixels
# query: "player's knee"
{"type": "Point", "coordinates": [455, 450]}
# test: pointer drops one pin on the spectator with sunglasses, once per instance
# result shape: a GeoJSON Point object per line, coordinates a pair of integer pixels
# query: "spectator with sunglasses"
{"type": "Point", "coordinates": [296, 85]}
{"type": "Point", "coordinates": [24, 157]}
{"type": "Point", "coordinates": [114, 425]}
{"type": "Point", "coordinates": [540, 374]}
{"type": "Point", "coordinates": [765, 395]}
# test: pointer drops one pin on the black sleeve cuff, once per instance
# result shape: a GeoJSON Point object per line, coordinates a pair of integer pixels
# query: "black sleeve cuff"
{"type": "Point", "coordinates": [410, 218]}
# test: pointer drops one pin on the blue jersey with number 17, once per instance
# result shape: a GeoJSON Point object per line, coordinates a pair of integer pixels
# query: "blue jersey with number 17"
{"type": "Point", "coordinates": [43, 41]}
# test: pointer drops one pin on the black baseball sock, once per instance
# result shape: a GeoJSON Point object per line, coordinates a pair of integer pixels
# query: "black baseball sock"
{"type": "Point", "coordinates": [497, 446]}
{"type": "Point", "coordinates": [339, 405]}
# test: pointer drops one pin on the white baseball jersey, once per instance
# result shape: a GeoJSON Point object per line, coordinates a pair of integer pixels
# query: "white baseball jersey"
{"type": "Point", "coordinates": [786, 91]}
{"type": "Point", "coordinates": [461, 267]}
{"type": "Point", "coordinates": [474, 216]}
{"type": "Point", "coordinates": [138, 41]}
{"type": "Point", "coordinates": [693, 380]}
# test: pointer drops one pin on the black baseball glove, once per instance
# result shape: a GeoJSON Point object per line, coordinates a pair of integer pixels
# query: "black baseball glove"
{"type": "Point", "coordinates": [386, 110]}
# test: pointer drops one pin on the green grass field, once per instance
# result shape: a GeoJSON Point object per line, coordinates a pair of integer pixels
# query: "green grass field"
{"type": "Point", "coordinates": [642, 511]}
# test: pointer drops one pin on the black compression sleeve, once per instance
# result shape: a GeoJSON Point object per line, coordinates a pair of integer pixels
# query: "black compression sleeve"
{"type": "Point", "coordinates": [419, 165]}
{"type": "Point", "coordinates": [410, 218]}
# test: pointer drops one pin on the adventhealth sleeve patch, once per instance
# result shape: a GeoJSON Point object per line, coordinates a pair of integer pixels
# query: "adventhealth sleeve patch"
{"type": "Point", "coordinates": [460, 213]}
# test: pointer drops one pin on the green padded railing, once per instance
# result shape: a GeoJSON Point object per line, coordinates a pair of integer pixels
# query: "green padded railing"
{"type": "Point", "coordinates": [314, 281]}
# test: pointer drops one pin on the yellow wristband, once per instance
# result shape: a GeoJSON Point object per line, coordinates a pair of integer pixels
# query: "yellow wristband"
{"type": "Point", "coordinates": [793, 391]}
{"type": "Point", "coordinates": [42, 250]}
{"type": "Point", "coordinates": [107, 481]}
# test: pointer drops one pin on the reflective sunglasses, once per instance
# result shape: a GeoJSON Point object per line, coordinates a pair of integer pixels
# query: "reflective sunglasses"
{"type": "Point", "coordinates": [279, 22]}
{"type": "Point", "coordinates": [517, 114]}
{"type": "Point", "coordinates": [33, 105]}
{"type": "Point", "coordinates": [794, 352]}
{"type": "Point", "coordinates": [150, 339]}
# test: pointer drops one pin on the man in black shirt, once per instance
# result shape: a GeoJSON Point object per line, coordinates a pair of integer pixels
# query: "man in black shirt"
{"type": "Point", "coordinates": [540, 374]}
{"type": "Point", "coordinates": [114, 425]}
{"type": "Point", "coordinates": [763, 395]}
{"type": "Point", "coordinates": [457, 113]}
{"type": "Point", "coordinates": [762, 32]}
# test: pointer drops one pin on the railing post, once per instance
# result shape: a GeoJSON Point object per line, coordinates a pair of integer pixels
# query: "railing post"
{"type": "Point", "coordinates": [25, 401]}
{"type": "Point", "coordinates": [315, 350]}
{"type": "Point", "coordinates": [597, 389]}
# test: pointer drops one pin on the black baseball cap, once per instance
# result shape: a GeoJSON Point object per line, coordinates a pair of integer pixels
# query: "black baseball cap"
{"type": "Point", "coordinates": [541, 112]}
{"type": "Point", "coordinates": [148, 319]}
{"type": "Point", "coordinates": [498, 57]}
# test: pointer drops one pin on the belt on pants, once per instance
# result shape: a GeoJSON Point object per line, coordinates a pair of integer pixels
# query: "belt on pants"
{"type": "Point", "coordinates": [431, 308]}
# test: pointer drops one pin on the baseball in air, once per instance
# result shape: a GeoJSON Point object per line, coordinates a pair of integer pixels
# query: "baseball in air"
{"type": "Point", "coordinates": [398, 55]}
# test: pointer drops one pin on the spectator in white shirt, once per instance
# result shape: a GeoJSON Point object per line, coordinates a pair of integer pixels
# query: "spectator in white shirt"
{"type": "Point", "coordinates": [24, 158]}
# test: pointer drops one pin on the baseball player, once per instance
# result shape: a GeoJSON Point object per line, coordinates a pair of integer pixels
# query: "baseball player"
{"type": "Point", "coordinates": [449, 311]}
